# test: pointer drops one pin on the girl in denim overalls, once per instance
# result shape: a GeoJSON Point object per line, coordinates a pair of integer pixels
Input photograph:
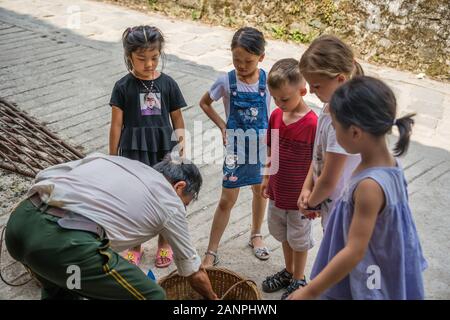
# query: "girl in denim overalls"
{"type": "Point", "coordinates": [246, 101]}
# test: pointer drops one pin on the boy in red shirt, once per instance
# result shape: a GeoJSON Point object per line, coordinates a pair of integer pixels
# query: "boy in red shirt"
{"type": "Point", "coordinates": [290, 140]}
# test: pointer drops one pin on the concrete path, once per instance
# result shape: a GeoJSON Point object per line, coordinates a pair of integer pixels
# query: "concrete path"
{"type": "Point", "coordinates": [59, 62]}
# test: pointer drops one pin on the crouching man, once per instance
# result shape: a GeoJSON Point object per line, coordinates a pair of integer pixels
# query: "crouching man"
{"type": "Point", "coordinates": [80, 214]}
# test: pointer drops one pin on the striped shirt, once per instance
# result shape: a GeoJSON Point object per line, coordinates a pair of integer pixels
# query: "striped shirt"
{"type": "Point", "coordinates": [291, 154]}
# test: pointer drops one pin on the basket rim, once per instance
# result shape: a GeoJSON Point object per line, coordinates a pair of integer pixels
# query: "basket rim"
{"type": "Point", "coordinates": [250, 282]}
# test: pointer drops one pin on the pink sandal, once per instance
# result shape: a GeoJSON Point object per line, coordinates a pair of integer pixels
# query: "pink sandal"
{"type": "Point", "coordinates": [133, 256]}
{"type": "Point", "coordinates": [164, 257]}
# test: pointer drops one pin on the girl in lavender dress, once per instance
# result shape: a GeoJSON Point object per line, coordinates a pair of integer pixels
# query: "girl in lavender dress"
{"type": "Point", "coordinates": [370, 249]}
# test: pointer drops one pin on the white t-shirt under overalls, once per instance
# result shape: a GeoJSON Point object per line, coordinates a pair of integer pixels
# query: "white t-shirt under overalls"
{"type": "Point", "coordinates": [221, 89]}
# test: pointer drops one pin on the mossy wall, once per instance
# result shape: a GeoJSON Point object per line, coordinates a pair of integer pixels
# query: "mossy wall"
{"type": "Point", "coordinates": [407, 34]}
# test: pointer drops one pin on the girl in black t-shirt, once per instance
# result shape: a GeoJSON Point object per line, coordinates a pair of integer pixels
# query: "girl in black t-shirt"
{"type": "Point", "coordinates": [146, 118]}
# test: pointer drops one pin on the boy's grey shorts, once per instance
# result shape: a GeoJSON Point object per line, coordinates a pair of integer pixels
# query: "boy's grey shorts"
{"type": "Point", "coordinates": [288, 225]}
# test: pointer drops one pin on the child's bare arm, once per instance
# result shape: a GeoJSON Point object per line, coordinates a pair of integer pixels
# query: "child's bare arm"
{"type": "Point", "coordinates": [308, 186]}
{"type": "Point", "coordinates": [265, 182]}
{"type": "Point", "coordinates": [309, 182]}
{"type": "Point", "coordinates": [115, 130]}
{"type": "Point", "coordinates": [178, 125]}
{"type": "Point", "coordinates": [206, 105]}
{"type": "Point", "coordinates": [328, 179]}
{"type": "Point", "coordinates": [369, 201]}
{"type": "Point", "coordinates": [177, 120]}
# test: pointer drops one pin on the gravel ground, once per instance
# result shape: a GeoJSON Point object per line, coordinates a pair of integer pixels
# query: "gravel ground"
{"type": "Point", "coordinates": [12, 188]}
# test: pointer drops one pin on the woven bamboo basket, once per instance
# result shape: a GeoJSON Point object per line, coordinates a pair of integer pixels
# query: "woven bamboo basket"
{"type": "Point", "coordinates": [227, 284]}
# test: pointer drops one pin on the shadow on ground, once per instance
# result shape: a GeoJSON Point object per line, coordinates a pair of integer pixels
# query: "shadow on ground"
{"type": "Point", "coordinates": [427, 168]}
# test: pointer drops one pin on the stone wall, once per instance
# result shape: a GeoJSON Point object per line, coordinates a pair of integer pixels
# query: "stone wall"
{"type": "Point", "coordinates": [407, 34]}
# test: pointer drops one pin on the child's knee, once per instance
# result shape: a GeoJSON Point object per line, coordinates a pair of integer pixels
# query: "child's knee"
{"type": "Point", "coordinates": [278, 232]}
{"type": "Point", "coordinates": [256, 189]}
{"type": "Point", "coordinates": [227, 202]}
{"type": "Point", "coordinates": [301, 245]}
{"type": "Point", "coordinates": [300, 236]}
{"type": "Point", "coordinates": [277, 227]}
{"type": "Point", "coordinates": [225, 205]}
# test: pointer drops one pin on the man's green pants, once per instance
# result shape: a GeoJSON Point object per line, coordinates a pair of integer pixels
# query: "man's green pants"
{"type": "Point", "coordinates": [56, 256]}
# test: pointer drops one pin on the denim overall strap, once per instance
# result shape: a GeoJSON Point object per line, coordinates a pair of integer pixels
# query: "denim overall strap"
{"type": "Point", "coordinates": [262, 82]}
{"type": "Point", "coordinates": [238, 96]}
{"type": "Point", "coordinates": [232, 81]}
{"type": "Point", "coordinates": [262, 92]}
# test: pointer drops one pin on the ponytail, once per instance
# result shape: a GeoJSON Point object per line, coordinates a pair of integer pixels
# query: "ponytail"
{"type": "Point", "coordinates": [404, 125]}
{"type": "Point", "coordinates": [358, 70]}
{"type": "Point", "coordinates": [127, 55]}
{"type": "Point", "coordinates": [368, 103]}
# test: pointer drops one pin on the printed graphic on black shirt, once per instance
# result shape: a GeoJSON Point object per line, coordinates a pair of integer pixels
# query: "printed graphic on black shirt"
{"type": "Point", "coordinates": [150, 103]}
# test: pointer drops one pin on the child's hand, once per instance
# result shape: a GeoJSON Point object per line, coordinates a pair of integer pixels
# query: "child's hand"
{"type": "Point", "coordinates": [302, 202]}
{"type": "Point", "coordinates": [300, 294]}
{"type": "Point", "coordinates": [181, 148]}
{"type": "Point", "coordinates": [264, 187]}
{"type": "Point", "coordinates": [224, 135]}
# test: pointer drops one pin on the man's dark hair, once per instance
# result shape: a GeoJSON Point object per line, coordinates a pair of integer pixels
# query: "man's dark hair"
{"type": "Point", "coordinates": [181, 170]}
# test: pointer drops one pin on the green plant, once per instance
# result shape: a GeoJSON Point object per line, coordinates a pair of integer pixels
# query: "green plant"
{"type": "Point", "coordinates": [279, 32]}
{"type": "Point", "coordinates": [326, 9]}
{"type": "Point", "coordinates": [437, 68]}
{"type": "Point", "coordinates": [230, 22]}
{"type": "Point", "coordinates": [295, 8]}
{"type": "Point", "coordinates": [196, 14]}
{"type": "Point", "coordinates": [298, 36]}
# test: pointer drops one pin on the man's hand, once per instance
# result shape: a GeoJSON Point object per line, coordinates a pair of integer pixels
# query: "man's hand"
{"type": "Point", "coordinates": [199, 281]}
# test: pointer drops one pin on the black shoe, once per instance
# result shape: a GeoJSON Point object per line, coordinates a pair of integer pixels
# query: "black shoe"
{"type": "Point", "coordinates": [295, 284]}
{"type": "Point", "coordinates": [277, 281]}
